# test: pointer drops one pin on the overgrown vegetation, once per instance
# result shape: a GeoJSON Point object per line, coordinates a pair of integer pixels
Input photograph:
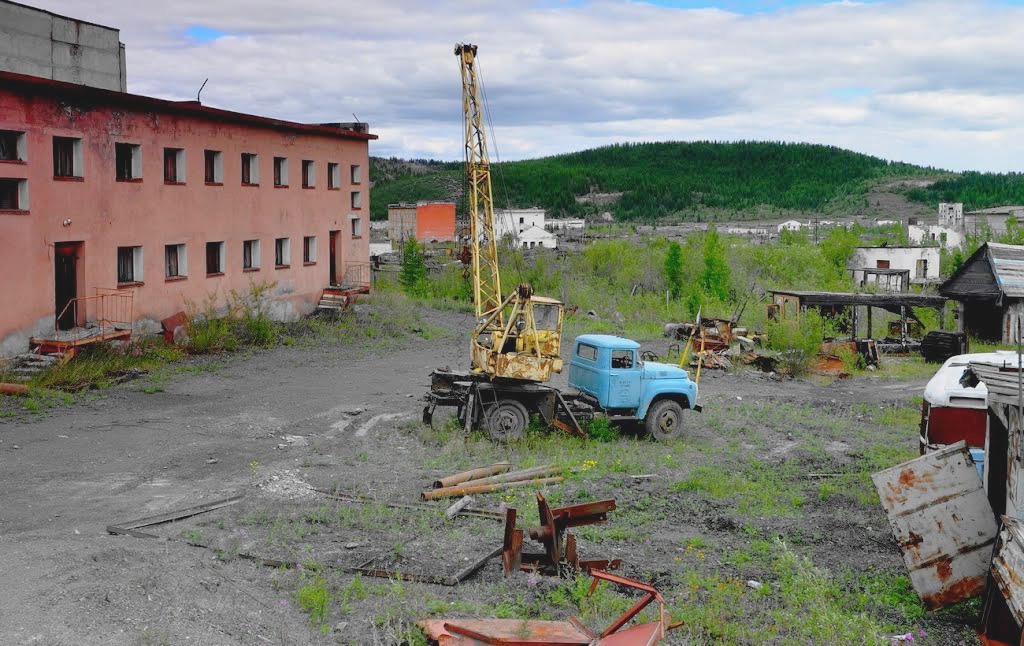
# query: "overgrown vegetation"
{"type": "Point", "coordinates": [798, 341]}
{"type": "Point", "coordinates": [677, 179]}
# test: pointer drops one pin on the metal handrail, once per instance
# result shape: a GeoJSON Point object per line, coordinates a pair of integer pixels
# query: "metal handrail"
{"type": "Point", "coordinates": [357, 274]}
{"type": "Point", "coordinates": [109, 308]}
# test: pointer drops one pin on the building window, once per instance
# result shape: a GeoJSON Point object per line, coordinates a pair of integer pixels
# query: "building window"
{"type": "Point", "coordinates": [280, 171]}
{"type": "Point", "coordinates": [129, 265]}
{"type": "Point", "coordinates": [67, 157]}
{"type": "Point", "coordinates": [333, 175]}
{"type": "Point", "coordinates": [356, 174]}
{"type": "Point", "coordinates": [250, 254]}
{"type": "Point", "coordinates": [250, 169]}
{"type": "Point", "coordinates": [357, 228]}
{"type": "Point", "coordinates": [175, 261]}
{"type": "Point", "coordinates": [922, 268]}
{"type": "Point", "coordinates": [213, 166]}
{"type": "Point", "coordinates": [12, 145]}
{"type": "Point", "coordinates": [282, 252]}
{"type": "Point", "coordinates": [881, 264]}
{"type": "Point", "coordinates": [174, 165]}
{"type": "Point", "coordinates": [357, 200]}
{"type": "Point", "coordinates": [308, 173]}
{"type": "Point", "coordinates": [214, 258]}
{"type": "Point", "coordinates": [128, 159]}
{"type": "Point", "coordinates": [13, 194]}
{"type": "Point", "coordinates": [309, 249]}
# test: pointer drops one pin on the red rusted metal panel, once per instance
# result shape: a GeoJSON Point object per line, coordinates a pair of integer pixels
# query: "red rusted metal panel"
{"type": "Point", "coordinates": [943, 523]}
{"type": "Point", "coordinates": [946, 425]}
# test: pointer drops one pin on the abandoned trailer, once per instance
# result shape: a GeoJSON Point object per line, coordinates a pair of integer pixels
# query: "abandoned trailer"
{"type": "Point", "coordinates": [989, 289]}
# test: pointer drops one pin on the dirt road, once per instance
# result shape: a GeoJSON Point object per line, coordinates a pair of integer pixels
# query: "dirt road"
{"type": "Point", "coordinates": [259, 423]}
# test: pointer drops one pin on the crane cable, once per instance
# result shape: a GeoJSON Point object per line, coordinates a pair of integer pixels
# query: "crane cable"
{"type": "Point", "coordinates": [517, 259]}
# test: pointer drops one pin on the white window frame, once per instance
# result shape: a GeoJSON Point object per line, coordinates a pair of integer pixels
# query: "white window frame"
{"type": "Point", "coordinates": [137, 276]}
{"type": "Point", "coordinates": [254, 168]}
{"type": "Point", "coordinates": [286, 252]}
{"type": "Point", "coordinates": [182, 260]}
{"type": "Point", "coordinates": [355, 174]}
{"type": "Point", "coordinates": [312, 249]}
{"type": "Point", "coordinates": [308, 178]}
{"type": "Point", "coordinates": [218, 166]}
{"type": "Point", "coordinates": [136, 151]}
{"type": "Point", "coordinates": [356, 199]}
{"type": "Point", "coordinates": [77, 156]}
{"type": "Point", "coordinates": [333, 176]}
{"type": "Point", "coordinates": [284, 171]}
{"type": "Point", "coordinates": [21, 146]}
{"type": "Point", "coordinates": [22, 193]}
{"type": "Point", "coordinates": [255, 243]}
{"type": "Point", "coordinates": [179, 164]}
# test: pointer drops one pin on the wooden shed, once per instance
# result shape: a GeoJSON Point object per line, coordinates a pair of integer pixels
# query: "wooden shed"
{"type": "Point", "coordinates": [989, 289]}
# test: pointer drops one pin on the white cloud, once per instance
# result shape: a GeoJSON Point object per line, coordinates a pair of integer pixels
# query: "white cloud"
{"type": "Point", "coordinates": [940, 79]}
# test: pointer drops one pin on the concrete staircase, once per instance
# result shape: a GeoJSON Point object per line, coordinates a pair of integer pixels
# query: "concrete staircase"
{"type": "Point", "coordinates": [332, 303]}
{"type": "Point", "coordinates": [27, 365]}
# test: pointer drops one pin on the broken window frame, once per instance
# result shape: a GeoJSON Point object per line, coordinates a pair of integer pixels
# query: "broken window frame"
{"type": "Point", "coordinates": [12, 144]}
{"type": "Point", "coordinates": [64, 157]}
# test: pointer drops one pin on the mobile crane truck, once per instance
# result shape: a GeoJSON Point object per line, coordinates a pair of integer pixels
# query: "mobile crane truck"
{"type": "Point", "coordinates": [515, 345]}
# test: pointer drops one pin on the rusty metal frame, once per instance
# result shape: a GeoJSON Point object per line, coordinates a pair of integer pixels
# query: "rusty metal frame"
{"type": "Point", "coordinates": [131, 527]}
{"type": "Point", "coordinates": [450, 580]}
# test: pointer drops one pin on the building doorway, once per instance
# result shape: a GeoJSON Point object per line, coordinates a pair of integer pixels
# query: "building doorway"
{"type": "Point", "coordinates": [333, 245]}
{"type": "Point", "coordinates": [65, 288]}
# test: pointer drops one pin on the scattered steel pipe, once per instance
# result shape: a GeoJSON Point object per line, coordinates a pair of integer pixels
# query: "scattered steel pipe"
{"type": "Point", "coordinates": [515, 476]}
{"type": "Point", "coordinates": [450, 492]}
{"type": "Point", "coordinates": [472, 474]}
{"type": "Point", "coordinates": [13, 389]}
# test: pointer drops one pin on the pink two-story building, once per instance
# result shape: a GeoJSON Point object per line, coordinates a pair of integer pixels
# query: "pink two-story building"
{"type": "Point", "coordinates": [105, 194]}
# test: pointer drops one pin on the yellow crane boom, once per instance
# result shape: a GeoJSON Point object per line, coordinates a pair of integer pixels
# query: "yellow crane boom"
{"type": "Point", "coordinates": [519, 336]}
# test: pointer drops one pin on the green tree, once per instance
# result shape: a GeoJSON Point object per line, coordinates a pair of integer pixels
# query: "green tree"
{"type": "Point", "coordinates": [715, 278]}
{"type": "Point", "coordinates": [413, 273]}
{"type": "Point", "coordinates": [674, 269]}
{"type": "Point", "coordinates": [838, 248]}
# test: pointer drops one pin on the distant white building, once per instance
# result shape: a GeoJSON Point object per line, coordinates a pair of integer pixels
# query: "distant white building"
{"type": "Point", "coordinates": [514, 221]}
{"type": "Point", "coordinates": [951, 215]}
{"type": "Point", "coordinates": [566, 225]}
{"type": "Point", "coordinates": [380, 248]}
{"type": "Point", "coordinates": [790, 225]}
{"type": "Point", "coordinates": [535, 237]}
{"type": "Point", "coordinates": [922, 263]}
{"type": "Point", "coordinates": [944, 236]}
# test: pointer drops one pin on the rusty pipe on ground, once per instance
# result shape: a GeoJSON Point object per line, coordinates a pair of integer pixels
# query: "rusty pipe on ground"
{"type": "Point", "coordinates": [448, 492]}
{"type": "Point", "coordinates": [13, 389]}
{"type": "Point", "coordinates": [472, 474]}
{"type": "Point", "coordinates": [515, 476]}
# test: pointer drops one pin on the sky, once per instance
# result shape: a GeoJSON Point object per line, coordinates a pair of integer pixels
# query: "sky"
{"type": "Point", "coordinates": [936, 83]}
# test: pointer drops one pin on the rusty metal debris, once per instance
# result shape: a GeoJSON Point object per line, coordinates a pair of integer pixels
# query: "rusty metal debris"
{"type": "Point", "coordinates": [132, 527]}
{"type": "Point", "coordinates": [1002, 615]}
{"type": "Point", "coordinates": [449, 580]}
{"type": "Point", "coordinates": [943, 523]}
{"type": "Point", "coordinates": [559, 545]}
{"type": "Point", "coordinates": [572, 631]}
{"type": "Point", "coordinates": [522, 478]}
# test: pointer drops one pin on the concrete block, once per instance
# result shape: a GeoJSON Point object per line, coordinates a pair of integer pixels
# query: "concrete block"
{"type": "Point", "coordinates": [25, 20]}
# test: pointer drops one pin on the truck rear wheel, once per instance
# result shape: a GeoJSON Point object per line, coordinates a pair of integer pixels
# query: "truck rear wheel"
{"type": "Point", "coordinates": [664, 420]}
{"type": "Point", "coordinates": [506, 421]}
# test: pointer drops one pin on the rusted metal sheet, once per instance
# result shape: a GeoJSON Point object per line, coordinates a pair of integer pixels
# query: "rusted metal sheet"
{"type": "Point", "coordinates": [473, 632]}
{"type": "Point", "coordinates": [943, 523]}
{"type": "Point", "coordinates": [1008, 566]}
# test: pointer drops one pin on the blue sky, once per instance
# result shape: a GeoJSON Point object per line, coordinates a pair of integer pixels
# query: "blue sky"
{"type": "Point", "coordinates": [933, 82]}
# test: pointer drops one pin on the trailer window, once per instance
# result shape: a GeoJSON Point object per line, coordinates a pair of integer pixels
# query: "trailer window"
{"type": "Point", "coordinates": [585, 351]}
{"type": "Point", "coordinates": [622, 358]}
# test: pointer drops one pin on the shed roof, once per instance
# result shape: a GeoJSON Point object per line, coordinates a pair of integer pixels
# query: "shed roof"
{"type": "Point", "coordinates": [855, 298]}
{"type": "Point", "coordinates": [992, 271]}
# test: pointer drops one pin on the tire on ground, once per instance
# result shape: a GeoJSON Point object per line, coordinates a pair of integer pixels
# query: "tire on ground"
{"type": "Point", "coordinates": [664, 420]}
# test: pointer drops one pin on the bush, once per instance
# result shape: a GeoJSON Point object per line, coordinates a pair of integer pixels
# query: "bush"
{"type": "Point", "coordinates": [798, 341]}
{"type": "Point", "coordinates": [601, 429]}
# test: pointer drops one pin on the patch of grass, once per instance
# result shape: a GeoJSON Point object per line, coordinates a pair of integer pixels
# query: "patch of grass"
{"type": "Point", "coordinates": [192, 536]}
{"type": "Point", "coordinates": [315, 599]}
{"type": "Point", "coordinates": [601, 429]}
{"type": "Point", "coordinates": [759, 489]}
{"type": "Point", "coordinates": [103, 364]}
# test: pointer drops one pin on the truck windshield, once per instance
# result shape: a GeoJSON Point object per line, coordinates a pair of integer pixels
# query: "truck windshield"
{"type": "Point", "coordinates": [546, 316]}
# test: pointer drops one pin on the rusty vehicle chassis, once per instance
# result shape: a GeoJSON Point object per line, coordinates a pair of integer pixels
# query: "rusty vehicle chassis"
{"type": "Point", "coordinates": [474, 395]}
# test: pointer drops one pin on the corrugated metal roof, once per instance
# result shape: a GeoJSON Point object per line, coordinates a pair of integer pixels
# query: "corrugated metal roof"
{"type": "Point", "coordinates": [1007, 263]}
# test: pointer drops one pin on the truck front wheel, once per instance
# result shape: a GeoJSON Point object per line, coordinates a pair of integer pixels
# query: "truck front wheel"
{"type": "Point", "coordinates": [664, 420]}
{"type": "Point", "coordinates": [507, 421]}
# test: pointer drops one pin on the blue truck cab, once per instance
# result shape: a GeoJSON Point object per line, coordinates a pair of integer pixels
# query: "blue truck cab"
{"type": "Point", "coordinates": [608, 369]}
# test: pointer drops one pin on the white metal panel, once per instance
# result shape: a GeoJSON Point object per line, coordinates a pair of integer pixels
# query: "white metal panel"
{"type": "Point", "coordinates": [1008, 566]}
{"type": "Point", "coordinates": [943, 523]}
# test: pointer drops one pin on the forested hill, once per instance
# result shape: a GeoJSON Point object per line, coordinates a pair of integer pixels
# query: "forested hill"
{"type": "Point", "coordinates": [975, 190]}
{"type": "Point", "coordinates": [654, 179]}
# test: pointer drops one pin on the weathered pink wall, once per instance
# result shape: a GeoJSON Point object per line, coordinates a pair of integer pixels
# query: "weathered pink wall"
{"type": "Point", "coordinates": [106, 213]}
